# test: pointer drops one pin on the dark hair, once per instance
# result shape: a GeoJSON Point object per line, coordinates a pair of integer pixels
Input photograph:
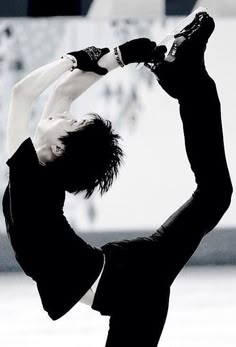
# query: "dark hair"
{"type": "Point", "coordinates": [91, 157]}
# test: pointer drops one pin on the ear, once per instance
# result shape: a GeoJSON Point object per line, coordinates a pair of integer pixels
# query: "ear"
{"type": "Point", "coordinates": [57, 150]}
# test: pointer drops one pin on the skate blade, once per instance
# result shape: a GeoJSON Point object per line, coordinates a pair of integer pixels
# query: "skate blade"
{"type": "Point", "coordinates": [181, 25]}
{"type": "Point", "coordinates": [171, 35]}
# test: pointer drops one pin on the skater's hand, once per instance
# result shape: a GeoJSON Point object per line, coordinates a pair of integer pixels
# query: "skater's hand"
{"type": "Point", "coordinates": [87, 59]}
{"type": "Point", "coordinates": [158, 55]}
{"type": "Point", "coordinates": [140, 50]}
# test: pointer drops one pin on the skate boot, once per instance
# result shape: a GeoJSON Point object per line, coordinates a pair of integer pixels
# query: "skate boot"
{"type": "Point", "coordinates": [185, 59]}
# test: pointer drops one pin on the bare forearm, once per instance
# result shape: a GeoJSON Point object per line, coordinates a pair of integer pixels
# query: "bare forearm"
{"type": "Point", "coordinates": [40, 79]}
{"type": "Point", "coordinates": [22, 97]}
{"type": "Point", "coordinates": [72, 84]}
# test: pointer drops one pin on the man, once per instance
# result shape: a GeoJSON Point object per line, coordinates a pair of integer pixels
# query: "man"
{"type": "Point", "coordinates": [133, 288]}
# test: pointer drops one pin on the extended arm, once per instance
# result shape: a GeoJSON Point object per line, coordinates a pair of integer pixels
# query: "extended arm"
{"type": "Point", "coordinates": [22, 97]}
{"type": "Point", "coordinates": [73, 83]}
{"type": "Point", "coordinates": [71, 86]}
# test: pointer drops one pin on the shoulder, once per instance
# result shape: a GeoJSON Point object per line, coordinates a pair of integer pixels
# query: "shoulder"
{"type": "Point", "coordinates": [25, 155]}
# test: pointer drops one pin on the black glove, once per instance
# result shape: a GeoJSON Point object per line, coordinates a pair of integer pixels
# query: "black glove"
{"type": "Point", "coordinates": [158, 54]}
{"type": "Point", "coordinates": [87, 59]}
{"type": "Point", "coordinates": [140, 51]}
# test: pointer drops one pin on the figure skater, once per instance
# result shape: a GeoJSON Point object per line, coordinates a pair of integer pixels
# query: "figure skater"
{"type": "Point", "coordinates": [128, 280]}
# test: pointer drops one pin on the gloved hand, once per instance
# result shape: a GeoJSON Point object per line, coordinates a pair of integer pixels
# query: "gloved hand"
{"type": "Point", "coordinates": [87, 59]}
{"type": "Point", "coordinates": [141, 51]}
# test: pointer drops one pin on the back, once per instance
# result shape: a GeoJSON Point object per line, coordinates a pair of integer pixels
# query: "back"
{"type": "Point", "coordinates": [47, 248]}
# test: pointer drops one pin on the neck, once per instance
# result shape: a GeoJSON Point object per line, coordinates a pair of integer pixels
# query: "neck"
{"type": "Point", "coordinates": [44, 153]}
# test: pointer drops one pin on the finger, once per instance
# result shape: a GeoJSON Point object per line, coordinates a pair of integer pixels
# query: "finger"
{"type": "Point", "coordinates": [100, 70]}
{"type": "Point", "coordinates": [161, 49]}
{"type": "Point", "coordinates": [104, 51]}
{"type": "Point", "coordinates": [153, 44]}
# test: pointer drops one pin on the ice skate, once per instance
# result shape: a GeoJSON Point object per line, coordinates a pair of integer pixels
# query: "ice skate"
{"type": "Point", "coordinates": [186, 56]}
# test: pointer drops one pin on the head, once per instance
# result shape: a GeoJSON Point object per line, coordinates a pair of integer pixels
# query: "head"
{"type": "Point", "coordinates": [84, 154]}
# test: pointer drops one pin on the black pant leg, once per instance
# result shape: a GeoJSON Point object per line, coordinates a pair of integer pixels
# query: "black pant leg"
{"type": "Point", "coordinates": [181, 234]}
{"type": "Point", "coordinates": [138, 325]}
{"type": "Point", "coordinates": [159, 258]}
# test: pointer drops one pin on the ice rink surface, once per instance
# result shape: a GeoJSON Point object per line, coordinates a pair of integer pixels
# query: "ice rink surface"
{"type": "Point", "coordinates": [202, 313]}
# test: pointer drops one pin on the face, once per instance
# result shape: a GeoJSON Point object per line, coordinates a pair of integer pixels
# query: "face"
{"type": "Point", "coordinates": [51, 128]}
